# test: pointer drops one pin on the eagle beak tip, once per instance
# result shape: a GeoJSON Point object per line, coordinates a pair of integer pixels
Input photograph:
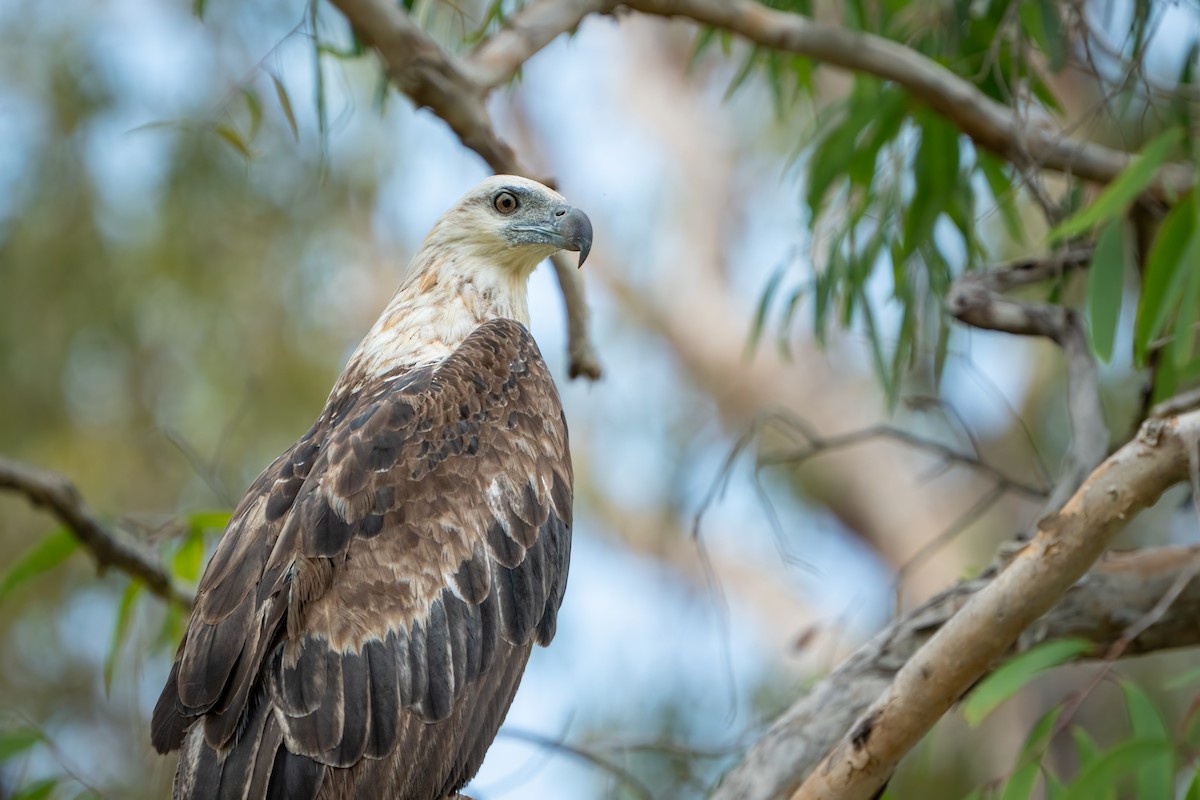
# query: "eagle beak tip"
{"type": "Point", "coordinates": [576, 231]}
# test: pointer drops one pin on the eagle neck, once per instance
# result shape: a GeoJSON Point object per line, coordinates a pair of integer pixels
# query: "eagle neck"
{"type": "Point", "coordinates": [445, 298]}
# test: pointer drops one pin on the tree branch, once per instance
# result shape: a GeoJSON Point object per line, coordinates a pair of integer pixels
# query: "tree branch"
{"type": "Point", "coordinates": [456, 91]}
{"type": "Point", "coordinates": [58, 495]}
{"type": "Point", "coordinates": [971, 641]}
{"type": "Point", "coordinates": [975, 299]}
{"type": "Point", "coordinates": [497, 58]}
{"type": "Point", "coordinates": [991, 125]}
{"type": "Point", "coordinates": [1121, 587]}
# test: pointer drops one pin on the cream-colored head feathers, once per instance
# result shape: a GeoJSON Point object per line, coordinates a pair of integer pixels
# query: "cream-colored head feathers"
{"type": "Point", "coordinates": [473, 266]}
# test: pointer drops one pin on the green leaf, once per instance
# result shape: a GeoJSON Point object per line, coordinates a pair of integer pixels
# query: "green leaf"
{"type": "Point", "coordinates": [1086, 747]}
{"type": "Point", "coordinates": [1020, 784]}
{"type": "Point", "coordinates": [890, 109]}
{"type": "Point", "coordinates": [198, 8]}
{"type": "Point", "coordinates": [1116, 197]}
{"type": "Point", "coordinates": [285, 102]}
{"type": "Point", "coordinates": [38, 790]}
{"type": "Point", "coordinates": [1155, 776]}
{"type": "Point", "coordinates": [764, 305]}
{"type": "Point", "coordinates": [42, 557]}
{"type": "Point", "coordinates": [1184, 679]}
{"type": "Point", "coordinates": [831, 158]}
{"type": "Point", "coordinates": [254, 106]}
{"type": "Point", "coordinates": [1193, 792]}
{"type": "Point", "coordinates": [209, 520]}
{"type": "Point", "coordinates": [935, 170]}
{"type": "Point", "coordinates": [234, 139]}
{"type": "Point", "coordinates": [1106, 286]}
{"type": "Point", "coordinates": [1040, 20]}
{"type": "Point", "coordinates": [188, 558]}
{"type": "Point", "coordinates": [1176, 246]}
{"type": "Point", "coordinates": [120, 630]}
{"type": "Point", "coordinates": [17, 741]}
{"type": "Point", "coordinates": [1039, 736]}
{"type": "Point", "coordinates": [1189, 305]}
{"type": "Point", "coordinates": [1096, 780]}
{"type": "Point", "coordinates": [1012, 676]}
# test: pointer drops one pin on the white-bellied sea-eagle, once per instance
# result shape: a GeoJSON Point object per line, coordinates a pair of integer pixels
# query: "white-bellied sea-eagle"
{"type": "Point", "coordinates": [363, 625]}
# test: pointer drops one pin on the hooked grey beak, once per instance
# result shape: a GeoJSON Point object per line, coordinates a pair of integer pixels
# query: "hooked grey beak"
{"type": "Point", "coordinates": [574, 230]}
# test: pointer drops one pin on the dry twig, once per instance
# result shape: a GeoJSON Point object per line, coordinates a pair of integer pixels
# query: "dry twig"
{"type": "Point", "coordinates": [59, 496]}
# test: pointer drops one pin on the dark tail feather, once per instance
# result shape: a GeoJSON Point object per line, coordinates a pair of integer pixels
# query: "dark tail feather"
{"type": "Point", "coordinates": [294, 777]}
{"type": "Point", "coordinates": [256, 765]}
{"type": "Point", "coordinates": [168, 725]}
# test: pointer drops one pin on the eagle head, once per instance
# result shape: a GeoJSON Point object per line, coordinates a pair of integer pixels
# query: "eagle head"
{"type": "Point", "coordinates": [513, 223]}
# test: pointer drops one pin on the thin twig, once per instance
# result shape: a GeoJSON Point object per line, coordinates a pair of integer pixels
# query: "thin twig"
{"type": "Point", "coordinates": [975, 298]}
{"type": "Point", "coordinates": [58, 495]}
{"type": "Point", "coordinates": [1118, 648]}
{"type": "Point", "coordinates": [818, 445]}
{"type": "Point", "coordinates": [626, 777]}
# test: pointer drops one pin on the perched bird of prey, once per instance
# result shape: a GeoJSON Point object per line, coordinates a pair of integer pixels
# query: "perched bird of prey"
{"type": "Point", "coordinates": [363, 625]}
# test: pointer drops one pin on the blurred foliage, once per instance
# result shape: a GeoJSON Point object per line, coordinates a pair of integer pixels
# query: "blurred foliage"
{"type": "Point", "coordinates": [157, 268]}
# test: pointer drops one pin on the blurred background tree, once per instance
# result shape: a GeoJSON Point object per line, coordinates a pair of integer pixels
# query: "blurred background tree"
{"type": "Point", "coordinates": [203, 206]}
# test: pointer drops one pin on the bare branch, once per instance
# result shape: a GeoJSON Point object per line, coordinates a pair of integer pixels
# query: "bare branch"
{"type": "Point", "coordinates": [971, 641]}
{"type": "Point", "coordinates": [58, 495]}
{"type": "Point", "coordinates": [991, 125]}
{"type": "Point", "coordinates": [437, 80]}
{"type": "Point", "coordinates": [817, 445]}
{"type": "Point", "coordinates": [1097, 608]}
{"type": "Point", "coordinates": [497, 58]}
{"type": "Point", "coordinates": [974, 299]}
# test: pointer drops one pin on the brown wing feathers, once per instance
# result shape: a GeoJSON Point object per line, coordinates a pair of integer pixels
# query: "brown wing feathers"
{"type": "Point", "coordinates": [377, 571]}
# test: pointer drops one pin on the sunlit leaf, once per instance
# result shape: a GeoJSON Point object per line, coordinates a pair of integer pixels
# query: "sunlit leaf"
{"type": "Point", "coordinates": [1155, 776]}
{"type": "Point", "coordinates": [1097, 779]}
{"type": "Point", "coordinates": [1116, 197]}
{"type": "Point", "coordinates": [41, 558]}
{"type": "Point", "coordinates": [208, 520]}
{"type": "Point", "coordinates": [1106, 287]}
{"type": "Point", "coordinates": [1016, 673]}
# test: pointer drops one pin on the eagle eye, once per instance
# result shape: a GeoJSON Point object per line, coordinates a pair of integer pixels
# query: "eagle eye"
{"type": "Point", "coordinates": [505, 202]}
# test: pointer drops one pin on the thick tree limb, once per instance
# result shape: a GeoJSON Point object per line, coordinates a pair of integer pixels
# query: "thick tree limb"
{"type": "Point", "coordinates": [58, 495]}
{"type": "Point", "coordinates": [456, 91]}
{"type": "Point", "coordinates": [1121, 588]}
{"type": "Point", "coordinates": [971, 641]}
